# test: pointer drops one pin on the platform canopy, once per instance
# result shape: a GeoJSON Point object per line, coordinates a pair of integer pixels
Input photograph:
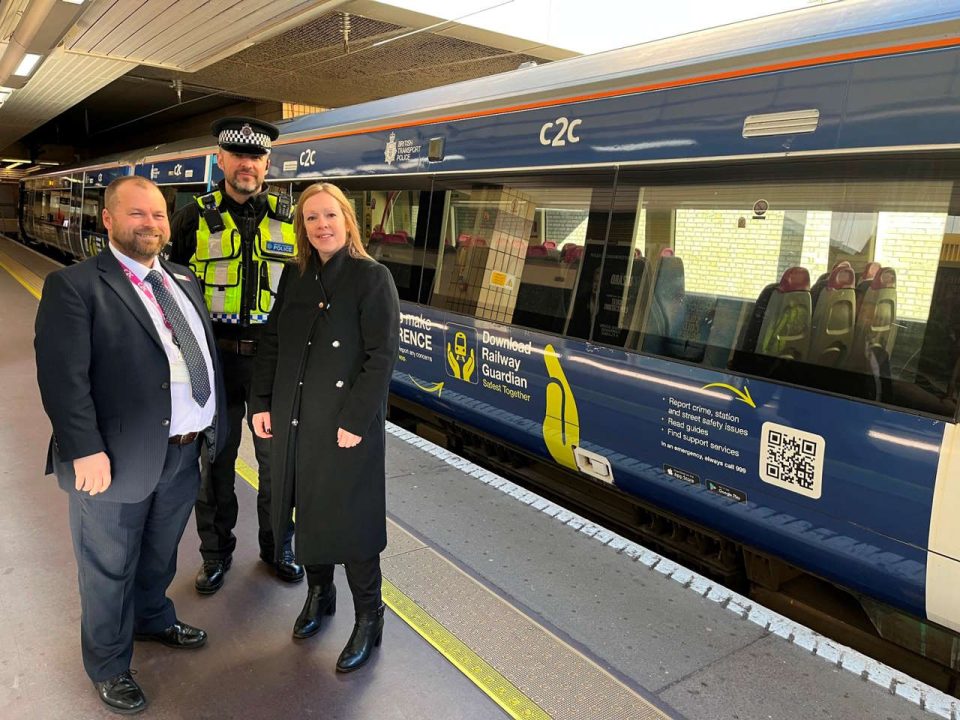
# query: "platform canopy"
{"type": "Point", "coordinates": [103, 66]}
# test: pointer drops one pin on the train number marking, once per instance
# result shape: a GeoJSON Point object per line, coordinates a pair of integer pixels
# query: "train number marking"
{"type": "Point", "coordinates": [563, 133]}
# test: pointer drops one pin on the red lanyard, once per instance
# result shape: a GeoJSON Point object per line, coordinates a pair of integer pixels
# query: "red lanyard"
{"type": "Point", "coordinates": [146, 290]}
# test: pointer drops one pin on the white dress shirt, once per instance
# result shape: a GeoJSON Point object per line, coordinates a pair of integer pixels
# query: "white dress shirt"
{"type": "Point", "coordinates": [186, 415]}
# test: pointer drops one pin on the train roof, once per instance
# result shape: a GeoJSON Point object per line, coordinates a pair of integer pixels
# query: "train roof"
{"type": "Point", "coordinates": [815, 32]}
{"type": "Point", "coordinates": [825, 33]}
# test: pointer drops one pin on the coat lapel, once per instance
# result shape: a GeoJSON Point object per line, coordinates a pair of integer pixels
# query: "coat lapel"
{"type": "Point", "coordinates": [114, 276]}
{"type": "Point", "coordinates": [331, 274]}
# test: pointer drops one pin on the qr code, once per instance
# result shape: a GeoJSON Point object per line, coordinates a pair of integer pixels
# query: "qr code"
{"type": "Point", "coordinates": [792, 459]}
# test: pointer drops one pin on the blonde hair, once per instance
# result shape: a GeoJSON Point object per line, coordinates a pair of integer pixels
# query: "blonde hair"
{"type": "Point", "coordinates": [304, 248]}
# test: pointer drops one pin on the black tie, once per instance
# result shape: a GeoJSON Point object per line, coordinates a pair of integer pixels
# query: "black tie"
{"type": "Point", "coordinates": [184, 338]}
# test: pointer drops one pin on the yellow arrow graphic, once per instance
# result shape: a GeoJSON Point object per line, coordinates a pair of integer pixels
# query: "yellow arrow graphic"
{"type": "Point", "coordinates": [434, 388]}
{"type": "Point", "coordinates": [742, 395]}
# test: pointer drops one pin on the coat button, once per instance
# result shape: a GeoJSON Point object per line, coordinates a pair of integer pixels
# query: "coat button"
{"type": "Point", "coordinates": [309, 342]}
{"type": "Point", "coordinates": [320, 306]}
{"type": "Point", "coordinates": [295, 422]}
{"type": "Point", "coordinates": [336, 343]}
{"type": "Point", "coordinates": [301, 383]}
{"type": "Point", "coordinates": [339, 383]}
{"type": "Point", "coordinates": [165, 386]}
{"type": "Point", "coordinates": [165, 422]}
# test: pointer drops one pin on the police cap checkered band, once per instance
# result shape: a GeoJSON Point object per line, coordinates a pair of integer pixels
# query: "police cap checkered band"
{"type": "Point", "coordinates": [245, 135]}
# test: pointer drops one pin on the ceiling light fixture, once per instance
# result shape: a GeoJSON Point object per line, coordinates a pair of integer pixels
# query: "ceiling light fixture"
{"type": "Point", "coordinates": [74, 2]}
{"type": "Point", "coordinates": [27, 65]}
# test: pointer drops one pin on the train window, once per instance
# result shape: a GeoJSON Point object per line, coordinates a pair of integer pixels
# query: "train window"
{"type": "Point", "coordinates": [182, 195]}
{"type": "Point", "coordinates": [388, 220]}
{"type": "Point", "coordinates": [834, 279]}
{"type": "Point", "coordinates": [523, 251]}
{"type": "Point", "coordinates": [91, 219]}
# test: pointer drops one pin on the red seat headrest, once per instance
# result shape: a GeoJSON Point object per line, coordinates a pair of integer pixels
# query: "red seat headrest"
{"type": "Point", "coordinates": [842, 277]}
{"type": "Point", "coordinates": [870, 271]}
{"type": "Point", "coordinates": [795, 279]}
{"type": "Point", "coordinates": [886, 278]}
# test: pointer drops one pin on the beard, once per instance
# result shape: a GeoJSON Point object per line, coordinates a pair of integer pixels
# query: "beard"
{"type": "Point", "coordinates": [244, 187]}
{"type": "Point", "coordinates": [142, 247]}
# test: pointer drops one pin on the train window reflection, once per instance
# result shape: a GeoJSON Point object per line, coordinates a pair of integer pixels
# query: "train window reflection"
{"type": "Point", "coordinates": [388, 221]}
{"type": "Point", "coordinates": [844, 285]}
{"type": "Point", "coordinates": [516, 251]}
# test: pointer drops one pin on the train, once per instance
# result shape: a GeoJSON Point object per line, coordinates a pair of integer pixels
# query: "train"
{"type": "Point", "coordinates": [711, 282]}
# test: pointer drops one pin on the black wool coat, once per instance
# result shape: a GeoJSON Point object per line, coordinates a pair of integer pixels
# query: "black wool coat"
{"type": "Point", "coordinates": [324, 362]}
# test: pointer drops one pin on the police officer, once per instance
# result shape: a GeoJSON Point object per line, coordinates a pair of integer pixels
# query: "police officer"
{"type": "Point", "coordinates": [237, 239]}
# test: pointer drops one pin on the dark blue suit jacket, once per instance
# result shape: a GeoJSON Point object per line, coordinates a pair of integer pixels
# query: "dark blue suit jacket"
{"type": "Point", "coordinates": [104, 377]}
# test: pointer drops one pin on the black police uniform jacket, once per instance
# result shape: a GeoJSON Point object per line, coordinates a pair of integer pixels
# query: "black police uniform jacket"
{"type": "Point", "coordinates": [324, 362]}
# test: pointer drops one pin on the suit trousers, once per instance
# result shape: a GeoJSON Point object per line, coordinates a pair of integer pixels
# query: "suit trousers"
{"type": "Point", "coordinates": [126, 559]}
{"type": "Point", "coordinates": [363, 577]}
{"type": "Point", "coordinates": [217, 507]}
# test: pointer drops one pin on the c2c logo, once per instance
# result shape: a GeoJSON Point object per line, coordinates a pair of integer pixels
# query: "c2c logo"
{"type": "Point", "coordinates": [562, 130]}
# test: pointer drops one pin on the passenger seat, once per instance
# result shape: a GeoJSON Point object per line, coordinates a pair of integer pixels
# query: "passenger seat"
{"type": "Point", "coordinates": [876, 330]}
{"type": "Point", "coordinates": [780, 323]}
{"type": "Point", "coordinates": [834, 317]}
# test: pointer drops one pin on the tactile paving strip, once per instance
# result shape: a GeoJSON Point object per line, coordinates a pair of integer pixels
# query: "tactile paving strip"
{"type": "Point", "coordinates": [30, 280]}
{"type": "Point", "coordinates": [557, 678]}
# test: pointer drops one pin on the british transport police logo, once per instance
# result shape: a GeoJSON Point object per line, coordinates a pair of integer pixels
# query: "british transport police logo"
{"type": "Point", "coordinates": [390, 150]}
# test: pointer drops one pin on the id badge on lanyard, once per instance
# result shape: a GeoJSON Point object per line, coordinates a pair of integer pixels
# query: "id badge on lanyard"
{"type": "Point", "coordinates": [178, 366]}
{"type": "Point", "coordinates": [178, 369]}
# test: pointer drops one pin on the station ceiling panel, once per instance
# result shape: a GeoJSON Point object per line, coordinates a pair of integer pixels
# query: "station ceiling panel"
{"type": "Point", "coordinates": [341, 59]}
{"type": "Point", "coordinates": [186, 36]}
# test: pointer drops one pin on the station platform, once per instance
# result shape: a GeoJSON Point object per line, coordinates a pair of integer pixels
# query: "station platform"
{"type": "Point", "coordinates": [501, 604]}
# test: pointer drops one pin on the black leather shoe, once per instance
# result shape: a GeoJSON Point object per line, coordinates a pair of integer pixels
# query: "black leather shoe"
{"type": "Point", "coordinates": [210, 577]}
{"type": "Point", "coordinates": [179, 635]}
{"type": "Point", "coordinates": [286, 567]}
{"type": "Point", "coordinates": [321, 600]}
{"type": "Point", "coordinates": [367, 634]}
{"type": "Point", "coordinates": [121, 694]}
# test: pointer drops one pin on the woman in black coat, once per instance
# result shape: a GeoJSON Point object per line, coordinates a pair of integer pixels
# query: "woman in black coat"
{"type": "Point", "coordinates": [320, 385]}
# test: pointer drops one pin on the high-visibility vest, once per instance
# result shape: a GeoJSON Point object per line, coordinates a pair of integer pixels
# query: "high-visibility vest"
{"type": "Point", "coordinates": [218, 257]}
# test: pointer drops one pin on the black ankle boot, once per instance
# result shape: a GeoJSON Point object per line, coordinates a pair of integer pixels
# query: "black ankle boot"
{"type": "Point", "coordinates": [321, 600]}
{"type": "Point", "coordinates": [367, 633]}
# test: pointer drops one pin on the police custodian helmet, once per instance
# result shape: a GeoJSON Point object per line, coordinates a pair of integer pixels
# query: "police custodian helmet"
{"type": "Point", "coordinates": [244, 135]}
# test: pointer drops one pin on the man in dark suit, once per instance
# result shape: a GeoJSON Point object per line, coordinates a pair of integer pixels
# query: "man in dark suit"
{"type": "Point", "coordinates": [130, 379]}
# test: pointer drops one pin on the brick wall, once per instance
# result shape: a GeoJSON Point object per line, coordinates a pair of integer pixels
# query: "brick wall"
{"type": "Point", "coordinates": [815, 255]}
{"type": "Point", "coordinates": [910, 244]}
{"type": "Point", "coordinates": [721, 258]}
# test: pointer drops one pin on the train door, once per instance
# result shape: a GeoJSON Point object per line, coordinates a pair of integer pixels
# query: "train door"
{"type": "Point", "coordinates": [72, 214]}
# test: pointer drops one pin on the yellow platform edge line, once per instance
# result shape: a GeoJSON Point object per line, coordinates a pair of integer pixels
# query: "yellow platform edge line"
{"type": "Point", "coordinates": [476, 669]}
{"type": "Point", "coordinates": [16, 275]}
{"type": "Point", "coordinates": [247, 473]}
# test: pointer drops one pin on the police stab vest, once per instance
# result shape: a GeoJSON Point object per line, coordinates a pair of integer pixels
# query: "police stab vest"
{"type": "Point", "coordinates": [218, 259]}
